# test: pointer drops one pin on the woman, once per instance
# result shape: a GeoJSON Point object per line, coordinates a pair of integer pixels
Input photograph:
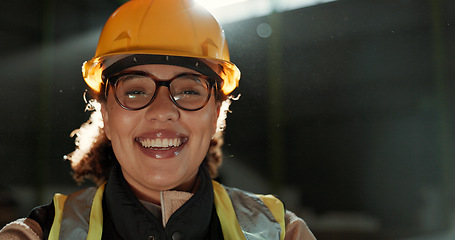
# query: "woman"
{"type": "Point", "coordinates": [160, 78]}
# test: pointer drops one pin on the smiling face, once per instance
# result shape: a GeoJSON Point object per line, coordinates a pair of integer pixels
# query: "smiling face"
{"type": "Point", "coordinates": [161, 146]}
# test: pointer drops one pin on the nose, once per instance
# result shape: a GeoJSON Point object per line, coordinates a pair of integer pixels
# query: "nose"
{"type": "Point", "coordinates": [162, 108]}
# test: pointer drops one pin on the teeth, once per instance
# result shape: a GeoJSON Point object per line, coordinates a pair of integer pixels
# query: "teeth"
{"type": "Point", "coordinates": [161, 143]}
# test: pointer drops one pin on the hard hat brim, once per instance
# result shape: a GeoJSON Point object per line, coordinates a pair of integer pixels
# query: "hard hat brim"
{"type": "Point", "coordinates": [94, 70]}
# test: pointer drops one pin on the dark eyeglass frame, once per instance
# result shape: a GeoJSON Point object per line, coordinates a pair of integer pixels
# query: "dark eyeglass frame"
{"type": "Point", "coordinates": [113, 81]}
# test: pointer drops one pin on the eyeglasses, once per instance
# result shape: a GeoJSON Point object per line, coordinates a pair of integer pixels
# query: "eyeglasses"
{"type": "Point", "coordinates": [135, 90]}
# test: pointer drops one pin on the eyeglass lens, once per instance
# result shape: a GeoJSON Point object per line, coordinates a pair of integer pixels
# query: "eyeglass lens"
{"type": "Point", "coordinates": [188, 91]}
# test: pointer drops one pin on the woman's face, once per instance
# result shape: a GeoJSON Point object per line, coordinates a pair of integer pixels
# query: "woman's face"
{"type": "Point", "coordinates": [184, 137]}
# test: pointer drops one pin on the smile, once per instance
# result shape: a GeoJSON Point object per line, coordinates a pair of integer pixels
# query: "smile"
{"type": "Point", "coordinates": [160, 143]}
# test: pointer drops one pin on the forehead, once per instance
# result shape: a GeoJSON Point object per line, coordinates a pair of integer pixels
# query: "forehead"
{"type": "Point", "coordinates": [162, 70]}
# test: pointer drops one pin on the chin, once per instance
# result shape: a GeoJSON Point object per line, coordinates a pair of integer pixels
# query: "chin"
{"type": "Point", "coordinates": [162, 182]}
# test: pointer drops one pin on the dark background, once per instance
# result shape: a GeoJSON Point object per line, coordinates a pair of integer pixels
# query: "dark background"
{"type": "Point", "coordinates": [346, 110]}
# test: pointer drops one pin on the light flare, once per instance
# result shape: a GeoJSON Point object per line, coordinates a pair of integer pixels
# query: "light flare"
{"type": "Point", "coordinates": [87, 134]}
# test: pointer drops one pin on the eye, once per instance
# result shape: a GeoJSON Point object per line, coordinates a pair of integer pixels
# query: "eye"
{"type": "Point", "coordinates": [191, 92]}
{"type": "Point", "coordinates": [190, 85]}
{"type": "Point", "coordinates": [134, 90]}
{"type": "Point", "coordinates": [132, 94]}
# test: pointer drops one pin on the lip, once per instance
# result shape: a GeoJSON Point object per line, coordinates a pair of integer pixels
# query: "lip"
{"type": "Point", "coordinates": [162, 152]}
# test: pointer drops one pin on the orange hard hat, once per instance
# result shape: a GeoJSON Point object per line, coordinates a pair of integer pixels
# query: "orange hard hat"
{"type": "Point", "coordinates": [167, 28]}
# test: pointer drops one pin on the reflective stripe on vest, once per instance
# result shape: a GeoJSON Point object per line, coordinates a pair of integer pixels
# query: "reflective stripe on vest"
{"type": "Point", "coordinates": [242, 215]}
{"type": "Point", "coordinates": [74, 212]}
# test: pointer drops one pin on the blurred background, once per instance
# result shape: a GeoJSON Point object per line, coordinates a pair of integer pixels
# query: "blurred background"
{"type": "Point", "coordinates": [346, 109]}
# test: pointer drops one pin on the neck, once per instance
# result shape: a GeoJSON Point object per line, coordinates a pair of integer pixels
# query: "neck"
{"type": "Point", "coordinates": [153, 195]}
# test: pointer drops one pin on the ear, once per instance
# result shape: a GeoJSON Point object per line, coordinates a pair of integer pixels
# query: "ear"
{"type": "Point", "coordinates": [105, 116]}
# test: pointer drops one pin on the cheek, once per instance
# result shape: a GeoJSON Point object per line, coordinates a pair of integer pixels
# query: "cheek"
{"type": "Point", "coordinates": [119, 122]}
{"type": "Point", "coordinates": [206, 123]}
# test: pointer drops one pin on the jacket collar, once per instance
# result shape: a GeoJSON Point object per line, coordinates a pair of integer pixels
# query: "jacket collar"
{"type": "Point", "coordinates": [133, 221]}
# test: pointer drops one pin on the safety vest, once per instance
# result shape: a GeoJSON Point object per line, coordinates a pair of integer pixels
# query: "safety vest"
{"type": "Point", "coordinates": [242, 215]}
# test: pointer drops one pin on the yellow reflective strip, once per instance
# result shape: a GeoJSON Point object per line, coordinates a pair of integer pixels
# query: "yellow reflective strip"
{"type": "Point", "coordinates": [277, 209]}
{"type": "Point", "coordinates": [225, 210]}
{"type": "Point", "coordinates": [95, 230]}
{"type": "Point", "coordinates": [59, 203]}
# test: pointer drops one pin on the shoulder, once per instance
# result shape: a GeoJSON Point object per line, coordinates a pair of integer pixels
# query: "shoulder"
{"type": "Point", "coordinates": [296, 228]}
{"type": "Point", "coordinates": [22, 229]}
{"type": "Point", "coordinates": [239, 195]}
{"type": "Point", "coordinates": [269, 205]}
{"type": "Point", "coordinates": [39, 222]}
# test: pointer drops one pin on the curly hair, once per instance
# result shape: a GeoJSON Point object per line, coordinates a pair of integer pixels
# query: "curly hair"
{"type": "Point", "coordinates": [94, 157]}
